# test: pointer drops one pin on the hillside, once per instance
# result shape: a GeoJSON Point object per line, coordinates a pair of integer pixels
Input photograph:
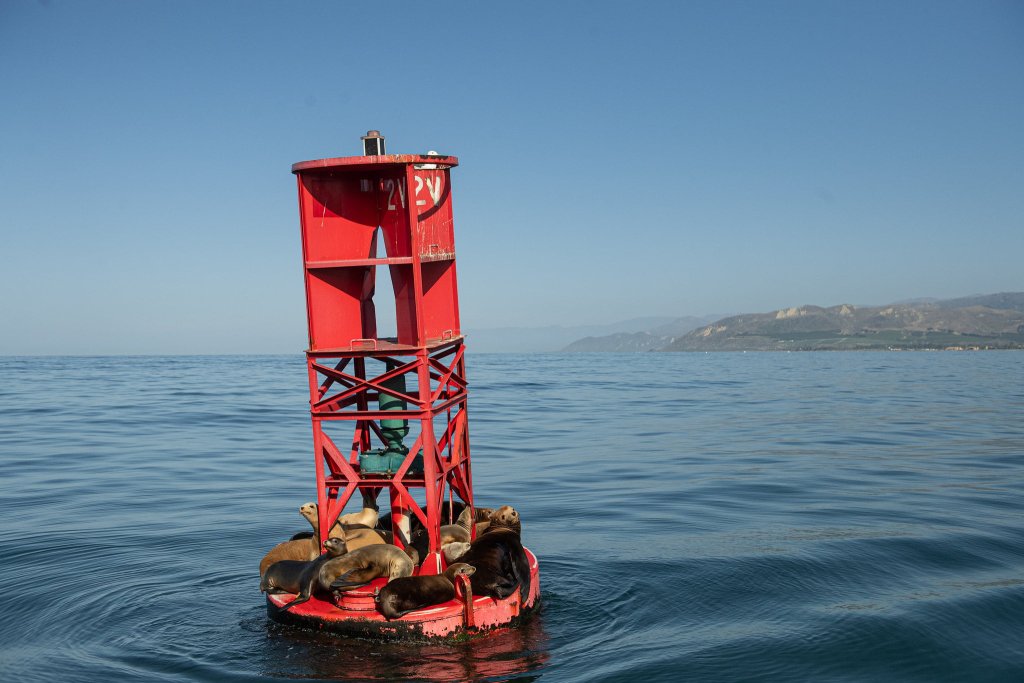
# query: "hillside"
{"type": "Point", "coordinates": [554, 337]}
{"type": "Point", "coordinates": [623, 342]}
{"type": "Point", "coordinates": [990, 321]}
{"type": "Point", "coordinates": [650, 338]}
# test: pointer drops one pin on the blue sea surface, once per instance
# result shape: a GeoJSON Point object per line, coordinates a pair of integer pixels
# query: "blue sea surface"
{"type": "Point", "coordinates": [705, 517]}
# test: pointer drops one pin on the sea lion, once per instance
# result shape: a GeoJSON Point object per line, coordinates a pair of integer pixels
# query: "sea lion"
{"type": "Point", "coordinates": [286, 576]}
{"type": "Point", "coordinates": [500, 562]}
{"type": "Point", "coordinates": [453, 533]}
{"type": "Point", "coordinates": [340, 532]}
{"type": "Point", "coordinates": [459, 532]}
{"type": "Point", "coordinates": [308, 575]}
{"type": "Point", "coordinates": [481, 518]}
{"type": "Point", "coordinates": [450, 511]}
{"type": "Point", "coordinates": [420, 540]}
{"type": "Point", "coordinates": [505, 517]}
{"type": "Point", "coordinates": [360, 537]}
{"type": "Point", "coordinates": [303, 549]}
{"type": "Point", "coordinates": [354, 535]}
{"type": "Point", "coordinates": [405, 594]}
{"type": "Point", "coordinates": [309, 512]}
{"type": "Point", "coordinates": [368, 516]}
{"type": "Point", "coordinates": [453, 551]}
{"type": "Point", "coordinates": [360, 567]}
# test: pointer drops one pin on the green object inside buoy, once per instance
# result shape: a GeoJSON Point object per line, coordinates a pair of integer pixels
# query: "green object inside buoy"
{"type": "Point", "coordinates": [387, 460]}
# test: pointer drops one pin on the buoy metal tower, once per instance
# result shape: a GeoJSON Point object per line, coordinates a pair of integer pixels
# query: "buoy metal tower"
{"type": "Point", "coordinates": [376, 386]}
{"type": "Point", "coordinates": [388, 414]}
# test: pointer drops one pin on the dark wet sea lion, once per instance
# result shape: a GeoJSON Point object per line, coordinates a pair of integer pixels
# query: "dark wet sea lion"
{"type": "Point", "coordinates": [420, 540]}
{"type": "Point", "coordinates": [360, 567]}
{"type": "Point", "coordinates": [289, 576]}
{"type": "Point", "coordinates": [284, 576]}
{"type": "Point", "coordinates": [501, 564]}
{"type": "Point", "coordinates": [405, 594]}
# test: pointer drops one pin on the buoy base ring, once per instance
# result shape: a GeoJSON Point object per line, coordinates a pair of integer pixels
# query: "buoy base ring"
{"type": "Point", "coordinates": [355, 614]}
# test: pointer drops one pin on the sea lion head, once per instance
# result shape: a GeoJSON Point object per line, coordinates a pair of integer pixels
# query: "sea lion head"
{"type": "Point", "coordinates": [336, 546]}
{"type": "Point", "coordinates": [506, 517]}
{"type": "Point", "coordinates": [461, 569]}
{"type": "Point", "coordinates": [413, 554]}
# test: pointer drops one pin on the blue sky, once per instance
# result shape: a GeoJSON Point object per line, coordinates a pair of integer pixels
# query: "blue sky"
{"type": "Point", "coordinates": [617, 159]}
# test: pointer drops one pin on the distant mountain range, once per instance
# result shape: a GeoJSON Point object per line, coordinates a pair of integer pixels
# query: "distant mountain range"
{"type": "Point", "coordinates": [991, 321]}
{"type": "Point", "coordinates": [653, 338]}
{"type": "Point", "coordinates": [555, 337]}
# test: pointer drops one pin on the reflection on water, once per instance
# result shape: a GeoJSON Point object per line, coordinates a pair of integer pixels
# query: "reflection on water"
{"type": "Point", "coordinates": [504, 654]}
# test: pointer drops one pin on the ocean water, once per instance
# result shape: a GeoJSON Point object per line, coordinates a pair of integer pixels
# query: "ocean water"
{"type": "Point", "coordinates": [703, 517]}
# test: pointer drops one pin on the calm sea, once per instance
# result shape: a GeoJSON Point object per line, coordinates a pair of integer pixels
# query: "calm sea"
{"type": "Point", "coordinates": [722, 517]}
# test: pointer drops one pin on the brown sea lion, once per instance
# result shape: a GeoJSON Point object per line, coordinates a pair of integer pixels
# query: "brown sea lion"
{"type": "Point", "coordinates": [360, 567]}
{"type": "Point", "coordinates": [505, 517]}
{"type": "Point", "coordinates": [286, 576]}
{"type": "Point", "coordinates": [366, 517]}
{"type": "Point", "coordinates": [405, 594]}
{"type": "Point", "coordinates": [309, 512]}
{"type": "Point", "coordinates": [452, 533]}
{"type": "Point", "coordinates": [354, 535]}
{"type": "Point", "coordinates": [303, 549]}
{"type": "Point", "coordinates": [482, 519]}
{"type": "Point", "coordinates": [449, 513]}
{"type": "Point", "coordinates": [360, 537]}
{"type": "Point", "coordinates": [501, 564]}
{"type": "Point", "coordinates": [458, 532]}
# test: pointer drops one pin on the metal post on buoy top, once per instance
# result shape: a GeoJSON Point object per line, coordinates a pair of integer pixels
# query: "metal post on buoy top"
{"type": "Point", "coordinates": [373, 143]}
{"type": "Point", "coordinates": [389, 414]}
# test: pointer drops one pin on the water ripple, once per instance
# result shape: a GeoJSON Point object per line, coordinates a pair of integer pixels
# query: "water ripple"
{"type": "Point", "coordinates": [783, 517]}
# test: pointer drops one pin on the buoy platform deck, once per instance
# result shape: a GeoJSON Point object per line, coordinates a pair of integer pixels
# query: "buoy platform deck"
{"type": "Point", "coordinates": [355, 612]}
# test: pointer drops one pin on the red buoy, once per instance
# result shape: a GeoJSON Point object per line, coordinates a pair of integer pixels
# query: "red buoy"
{"type": "Point", "coordinates": [388, 413]}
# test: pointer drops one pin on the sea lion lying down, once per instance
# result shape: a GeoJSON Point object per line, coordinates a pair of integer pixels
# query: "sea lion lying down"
{"type": "Point", "coordinates": [357, 568]}
{"type": "Point", "coordinates": [290, 576]}
{"type": "Point", "coordinates": [405, 594]}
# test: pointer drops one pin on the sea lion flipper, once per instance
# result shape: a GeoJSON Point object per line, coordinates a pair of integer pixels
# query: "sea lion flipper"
{"type": "Point", "coordinates": [360, 576]}
{"type": "Point", "coordinates": [342, 580]}
{"type": "Point", "coordinates": [296, 601]}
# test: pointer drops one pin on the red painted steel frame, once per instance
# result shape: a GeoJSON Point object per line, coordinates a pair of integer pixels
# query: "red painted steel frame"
{"type": "Point", "coordinates": [345, 204]}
